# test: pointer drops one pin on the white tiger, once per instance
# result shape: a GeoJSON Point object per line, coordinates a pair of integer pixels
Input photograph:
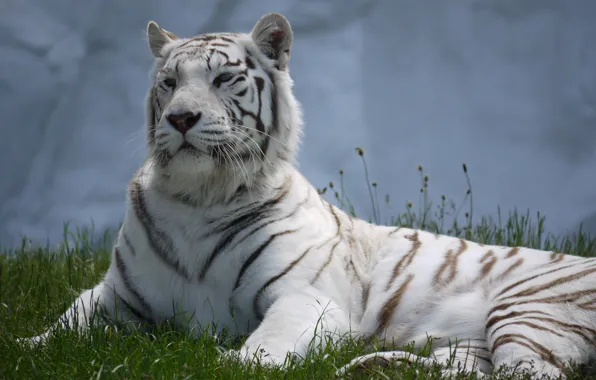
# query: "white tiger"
{"type": "Point", "coordinates": [221, 227]}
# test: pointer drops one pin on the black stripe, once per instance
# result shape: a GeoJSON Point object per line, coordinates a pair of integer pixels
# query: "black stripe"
{"type": "Point", "coordinates": [208, 62]}
{"type": "Point", "coordinates": [129, 245]}
{"type": "Point", "coordinates": [327, 262]}
{"type": "Point", "coordinates": [239, 224]}
{"type": "Point", "coordinates": [239, 79]}
{"type": "Point", "coordinates": [178, 55]}
{"type": "Point", "coordinates": [184, 199]}
{"type": "Point", "coordinates": [257, 117]}
{"type": "Point", "coordinates": [241, 93]}
{"type": "Point", "coordinates": [238, 193]}
{"type": "Point", "coordinates": [208, 37]}
{"type": "Point", "coordinates": [563, 298]}
{"type": "Point", "coordinates": [200, 44]}
{"type": "Point", "coordinates": [544, 353]}
{"type": "Point", "coordinates": [269, 222]}
{"type": "Point", "coordinates": [120, 304]}
{"type": "Point", "coordinates": [588, 334]}
{"type": "Point", "coordinates": [249, 210]}
{"type": "Point", "coordinates": [514, 314]}
{"type": "Point", "coordinates": [395, 230]}
{"type": "Point", "coordinates": [337, 234]}
{"type": "Point", "coordinates": [249, 62]}
{"type": "Point", "coordinates": [255, 255]}
{"type": "Point", "coordinates": [152, 116]}
{"type": "Point", "coordinates": [356, 274]}
{"type": "Point", "coordinates": [159, 241]}
{"type": "Point", "coordinates": [134, 311]}
{"type": "Point", "coordinates": [235, 63]}
{"type": "Point", "coordinates": [521, 282]}
{"type": "Point", "coordinates": [102, 312]}
{"type": "Point", "coordinates": [260, 82]}
{"type": "Point", "coordinates": [365, 294]}
{"type": "Point", "coordinates": [255, 302]}
{"type": "Point", "coordinates": [529, 324]}
{"type": "Point", "coordinates": [185, 44]}
{"type": "Point", "coordinates": [121, 266]}
{"type": "Point", "coordinates": [217, 51]}
{"type": "Point", "coordinates": [264, 146]}
{"type": "Point", "coordinates": [558, 281]}
{"type": "Point", "coordinates": [221, 37]}
{"type": "Point", "coordinates": [283, 151]}
{"type": "Point", "coordinates": [158, 107]}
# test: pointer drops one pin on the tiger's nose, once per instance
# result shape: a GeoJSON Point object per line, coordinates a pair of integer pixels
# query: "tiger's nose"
{"type": "Point", "coordinates": [184, 121]}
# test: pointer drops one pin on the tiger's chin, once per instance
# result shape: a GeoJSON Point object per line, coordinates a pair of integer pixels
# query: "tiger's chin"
{"type": "Point", "coordinates": [203, 175]}
{"type": "Point", "coordinates": [190, 162]}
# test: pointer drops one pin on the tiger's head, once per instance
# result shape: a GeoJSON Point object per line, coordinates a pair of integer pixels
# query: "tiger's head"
{"type": "Point", "coordinates": [220, 111]}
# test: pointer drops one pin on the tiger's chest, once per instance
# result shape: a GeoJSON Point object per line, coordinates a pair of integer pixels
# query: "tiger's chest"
{"type": "Point", "coordinates": [187, 266]}
{"type": "Point", "coordinates": [200, 270]}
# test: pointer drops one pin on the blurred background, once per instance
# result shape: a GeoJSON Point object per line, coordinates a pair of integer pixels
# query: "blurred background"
{"type": "Point", "coordinates": [506, 86]}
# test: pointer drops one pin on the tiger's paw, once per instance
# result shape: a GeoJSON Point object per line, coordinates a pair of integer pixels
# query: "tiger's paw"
{"type": "Point", "coordinates": [367, 363]}
{"type": "Point", "coordinates": [34, 341]}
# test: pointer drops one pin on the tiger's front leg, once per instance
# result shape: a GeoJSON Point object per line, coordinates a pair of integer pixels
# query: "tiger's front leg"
{"type": "Point", "coordinates": [294, 324]}
{"type": "Point", "coordinates": [108, 303]}
{"type": "Point", "coordinates": [83, 312]}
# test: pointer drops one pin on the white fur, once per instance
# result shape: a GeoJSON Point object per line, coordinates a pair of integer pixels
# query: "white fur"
{"type": "Point", "coordinates": [307, 303]}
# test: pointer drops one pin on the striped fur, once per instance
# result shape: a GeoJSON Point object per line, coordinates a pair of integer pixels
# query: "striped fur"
{"type": "Point", "coordinates": [221, 227]}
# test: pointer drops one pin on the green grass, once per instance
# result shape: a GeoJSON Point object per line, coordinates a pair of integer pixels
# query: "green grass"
{"type": "Point", "coordinates": [37, 285]}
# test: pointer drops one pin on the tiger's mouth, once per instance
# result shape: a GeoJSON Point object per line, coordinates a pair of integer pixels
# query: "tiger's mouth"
{"type": "Point", "coordinates": [217, 152]}
{"type": "Point", "coordinates": [188, 149]}
{"type": "Point", "coordinates": [186, 146]}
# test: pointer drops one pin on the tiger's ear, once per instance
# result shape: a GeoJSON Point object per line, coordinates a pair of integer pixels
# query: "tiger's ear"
{"type": "Point", "coordinates": [273, 35]}
{"type": "Point", "coordinates": [158, 38]}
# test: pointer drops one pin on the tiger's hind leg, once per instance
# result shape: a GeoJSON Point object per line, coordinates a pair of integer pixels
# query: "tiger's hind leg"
{"type": "Point", "coordinates": [539, 338]}
{"type": "Point", "coordinates": [471, 356]}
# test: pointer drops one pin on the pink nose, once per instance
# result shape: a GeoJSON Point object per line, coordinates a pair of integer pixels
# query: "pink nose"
{"type": "Point", "coordinates": [183, 122]}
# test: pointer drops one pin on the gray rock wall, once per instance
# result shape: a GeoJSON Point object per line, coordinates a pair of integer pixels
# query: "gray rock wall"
{"type": "Point", "coordinates": [507, 86]}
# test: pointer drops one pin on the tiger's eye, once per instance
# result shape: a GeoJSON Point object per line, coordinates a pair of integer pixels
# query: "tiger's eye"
{"type": "Point", "coordinates": [170, 82]}
{"type": "Point", "coordinates": [222, 78]}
